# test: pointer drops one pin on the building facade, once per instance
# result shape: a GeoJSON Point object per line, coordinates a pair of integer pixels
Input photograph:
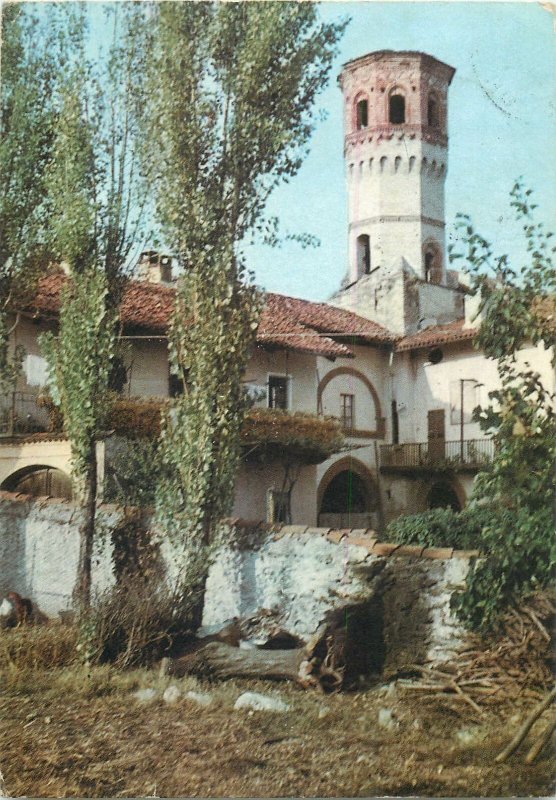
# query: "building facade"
{"type": "Point", "coordinates": [390, 356]}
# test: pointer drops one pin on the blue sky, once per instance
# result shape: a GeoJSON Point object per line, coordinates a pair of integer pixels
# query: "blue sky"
{"type": "Point", "coordinates": [502, 124]}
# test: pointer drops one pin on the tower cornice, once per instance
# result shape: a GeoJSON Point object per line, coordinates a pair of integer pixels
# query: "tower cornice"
{"type": "Point", "coordinates": [396, 57]}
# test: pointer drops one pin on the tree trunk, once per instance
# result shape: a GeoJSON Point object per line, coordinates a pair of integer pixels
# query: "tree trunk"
{"type": "Point", "coordinates": [219, 660]}
{"type": "Point", "coordinates": [82, 591]}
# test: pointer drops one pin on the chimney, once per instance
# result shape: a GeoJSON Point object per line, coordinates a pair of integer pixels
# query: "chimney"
{"type": "Point", "coordinates": [155, 267]}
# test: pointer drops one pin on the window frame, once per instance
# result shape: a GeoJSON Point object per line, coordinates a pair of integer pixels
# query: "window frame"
{"type": "Point", "coordinates": [287, 390]}
{"type": "Point", "coordinates": [344, 417]}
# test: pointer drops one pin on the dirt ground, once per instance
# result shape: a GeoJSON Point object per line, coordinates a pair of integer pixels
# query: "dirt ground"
{"type": "Point", "coordinates": [67, 732]}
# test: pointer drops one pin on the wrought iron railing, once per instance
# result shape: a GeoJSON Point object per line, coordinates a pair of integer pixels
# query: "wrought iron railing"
{"type": "Point", "coordinates": [471, 453]}
{"type": "Point", "coordinates": [20, 413]}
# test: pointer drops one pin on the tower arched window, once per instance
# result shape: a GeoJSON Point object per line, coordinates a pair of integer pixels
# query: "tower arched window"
{"type": "Point", "coordinates": [432, 263]}
{"type": "Point", "coordinates": [396, 109]}
{"type": "Point", "coordinates": [363, 255]}
{"type": "Point", "coordinates": [433, 115]}
{"type": "Point", "coordinates": [362, 114]}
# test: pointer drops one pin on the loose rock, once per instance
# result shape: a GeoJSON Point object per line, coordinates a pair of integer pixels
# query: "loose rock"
{"type": "Point", "coordinates": [470, 735]}
{"type": "Point", "coordinates": [144, 695]}
{"type": "Point", "coordinates": [201, 698]}
{"type": "Point", "coordinates": [386, 719]}
{"type": "Point", "coordinates": [171, 695]}
{"type": "Point", "coordinates": [260, 702]}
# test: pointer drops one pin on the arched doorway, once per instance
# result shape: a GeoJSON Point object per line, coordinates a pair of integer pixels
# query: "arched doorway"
{"type": "Point", "coordinates": [347, 497]}
{"type": "Point", "coordinates": [40, 481]}
{"type": "Point", "coordinates": [443, 495]}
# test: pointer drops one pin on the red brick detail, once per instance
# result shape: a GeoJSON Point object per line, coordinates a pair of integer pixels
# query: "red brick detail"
{"type": "Point", "coordinates": [384, 549]}
{"type": "Point", "coordinates": [362, 541]}
{"type": "Point", "coordinates": [336, 536]}
{"type": "Point", "coordinates": [466, 554]}
{"type": "Point", "coordinates": [414, 551]}
{"type": "Point", "coordinates": [438, 552]}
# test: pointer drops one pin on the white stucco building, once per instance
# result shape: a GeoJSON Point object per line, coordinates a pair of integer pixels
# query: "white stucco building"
{"type": "Point", "coordinates": [391, 355]}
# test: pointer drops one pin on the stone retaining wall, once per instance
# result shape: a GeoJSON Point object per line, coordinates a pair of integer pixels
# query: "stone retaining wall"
{"type": "Point", "coordinates": [300, 573]}
{"type": "Point", "coordinates": [295, 572]}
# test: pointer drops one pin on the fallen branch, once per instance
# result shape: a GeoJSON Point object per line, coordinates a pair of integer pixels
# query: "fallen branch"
{"type": "Point", "coordinates": [539, 745]}
{"type": "Point", "coordinates": [526, 727]}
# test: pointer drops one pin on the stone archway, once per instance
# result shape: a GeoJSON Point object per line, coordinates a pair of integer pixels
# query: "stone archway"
{"type": "Point", "coordinates": [347, 496]}
{"type": "Point", "coordinates": [39, 480]}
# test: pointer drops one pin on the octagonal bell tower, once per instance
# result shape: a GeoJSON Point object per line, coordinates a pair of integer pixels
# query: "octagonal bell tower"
{"type": "Point", "coordinates": [396, 155]}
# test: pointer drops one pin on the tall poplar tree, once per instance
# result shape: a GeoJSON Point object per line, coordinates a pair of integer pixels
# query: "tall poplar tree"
{"type": "Point", "coordinates": [97, 209]}
{"type": "Point", "coordinates": [28, 76]}
{"type": "Point", "coordinates": [230, 115]}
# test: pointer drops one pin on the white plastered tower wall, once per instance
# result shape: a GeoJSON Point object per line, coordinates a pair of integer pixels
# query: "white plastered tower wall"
{"type": "Point", "coordinates": [396, 164]}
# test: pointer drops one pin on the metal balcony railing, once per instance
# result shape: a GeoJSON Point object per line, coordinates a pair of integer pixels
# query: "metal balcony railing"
{"type": "Point", "coordinates": [460, 454]}
{"type": "Point", "coordinates": [19, 413]}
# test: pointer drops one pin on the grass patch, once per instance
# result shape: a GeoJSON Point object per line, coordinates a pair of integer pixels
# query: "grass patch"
{"type": "Point", "coordinates": [77, 732]}
{"type": "Point", "coordinates": [40, 648]}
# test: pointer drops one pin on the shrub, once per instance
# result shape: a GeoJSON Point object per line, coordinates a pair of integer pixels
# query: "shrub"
{"type": "Point", "coordinates": [518, 547]}
{"type": "Point", "coordinates": [442, 527]}
{"type": "Point", "coordinates": [135, 623]}
{"type": "Point", "coordinates": [520, 556]}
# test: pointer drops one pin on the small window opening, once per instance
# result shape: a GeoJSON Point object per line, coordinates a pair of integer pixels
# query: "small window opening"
{"type": "Point", "coordinates": [433, 270]}
{"type": "Point", "coordinates": [432, 113]}
{"type": "Point", "coordinates": [363, 254]}
{"type": "Point", "coordinates": [279, 507]}
{"type": "Point", "coordinates": [362, 114]}
{"type": "Point", "coordinates": [117, 377]}
{"type": "Point", "coordinates": [347, 411]}
{"type": "Point", "coordinates": [277, 392]}
{"type": "Point", "coordinates": [395, 423]}
{"type": "Point", "coordinates": [397, 109]}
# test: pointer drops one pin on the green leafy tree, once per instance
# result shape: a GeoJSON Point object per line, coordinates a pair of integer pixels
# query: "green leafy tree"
{"type": "Point", "coordinates": [94, 183]}
{"type": "Point", "coordinates": [517, 308]}
{"type": "Point", "coordinates": [231, 113]}
{"type": "Point", "coordinates": [29, 62]}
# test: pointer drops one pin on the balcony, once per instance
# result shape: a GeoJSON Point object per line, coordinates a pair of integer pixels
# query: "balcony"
{"type": "Point", "coordinates": [469, 454]}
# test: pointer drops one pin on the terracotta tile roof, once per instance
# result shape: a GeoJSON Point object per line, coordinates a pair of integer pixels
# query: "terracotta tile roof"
{"type": "Point", "coordinates": [285, 321]}
{"type": "Point", "coordinates": [299, 325]}
{"type": "Point", "coordinates": [437, 335]}
{"type": "Point", "coordinates": [146, 306]}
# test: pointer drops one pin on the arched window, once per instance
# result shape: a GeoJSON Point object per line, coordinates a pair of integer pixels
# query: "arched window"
{"type": "Point", "coordinates": [363, 255]}
{"type": "Point", "coordinates": [397, 109]}
{"type": "Point", "coordinates": [432, 263]}
{"type": "Point", "coordinates": [433, 117]}
{"type": "Point", "coordinates": [362, 117]}
{"type": "Point", "coordinates": [397, 163]}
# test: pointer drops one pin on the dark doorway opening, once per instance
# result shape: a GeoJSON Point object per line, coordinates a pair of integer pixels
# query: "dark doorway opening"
{"type": "Point", "coordinates": [442, 495]}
